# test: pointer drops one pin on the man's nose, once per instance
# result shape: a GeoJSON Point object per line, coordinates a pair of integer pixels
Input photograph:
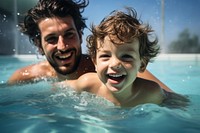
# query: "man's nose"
{"type": "Point", "coordinates": [62, 45]}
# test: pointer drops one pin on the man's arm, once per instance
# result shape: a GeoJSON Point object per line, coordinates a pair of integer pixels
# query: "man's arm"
{"type": "Point", "coordinates": [20, 76]}
{"type": "Point", "coordinates": [30, 73]}
{"type": "Point", "coordinates": [148, 75]}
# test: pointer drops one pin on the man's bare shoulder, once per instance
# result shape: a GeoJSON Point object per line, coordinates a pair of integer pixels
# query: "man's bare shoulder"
{"type": "Point", "coordinates": [31, 72]}
{"type": "Point", "coordinates": [42, 68]}
{"type": "Point", "coordinates": [87, 64]}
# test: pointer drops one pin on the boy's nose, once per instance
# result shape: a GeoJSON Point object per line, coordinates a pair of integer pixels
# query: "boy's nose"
{"type": "Point", "coordinates": [115, 64]}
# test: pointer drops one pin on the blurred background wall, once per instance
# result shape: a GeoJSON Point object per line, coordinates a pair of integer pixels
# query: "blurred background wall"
{"type": "Point", "coordinates": [176, 22]}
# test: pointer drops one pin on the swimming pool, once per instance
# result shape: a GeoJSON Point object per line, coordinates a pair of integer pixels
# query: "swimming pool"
{"type": "Point", "coordinates": [36, 108]}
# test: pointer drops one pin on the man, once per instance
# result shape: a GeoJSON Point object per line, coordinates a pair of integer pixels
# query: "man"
{"type": "Point", "coordinates": [56, 27]}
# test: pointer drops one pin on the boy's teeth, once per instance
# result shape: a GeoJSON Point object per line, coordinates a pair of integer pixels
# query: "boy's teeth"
{"type": "Point", "coordinates": [115, 75]}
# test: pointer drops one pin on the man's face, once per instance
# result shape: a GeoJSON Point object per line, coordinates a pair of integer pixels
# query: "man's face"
{"type": "Point", "coordinates": [61, 43]}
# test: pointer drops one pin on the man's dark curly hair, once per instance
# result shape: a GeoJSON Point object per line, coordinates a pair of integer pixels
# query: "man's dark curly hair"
{"type": "Point", "coordinates": [52, 8]}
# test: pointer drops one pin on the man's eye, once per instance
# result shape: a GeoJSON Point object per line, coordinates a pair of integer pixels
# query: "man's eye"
{"type": "Point", "coordinates": [52, 40]}
{"type": "Point", "coordinates": [69, 35]}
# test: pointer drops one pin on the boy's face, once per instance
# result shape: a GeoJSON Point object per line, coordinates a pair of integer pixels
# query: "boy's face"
{"type": "Point", "coordinates": [117, 65]}
{"type": "Point", "coordinates": [61, 43]}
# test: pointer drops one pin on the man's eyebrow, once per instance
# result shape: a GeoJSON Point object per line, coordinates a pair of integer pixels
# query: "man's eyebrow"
{"type": "Point", "coordinates": [48, 35]}
{"type": "Point", "coordinates": [54, 34]}
{"type": "Point", "coordinates": [70, 29]}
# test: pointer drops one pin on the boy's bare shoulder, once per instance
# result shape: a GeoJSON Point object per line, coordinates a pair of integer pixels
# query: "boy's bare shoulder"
{"type": "Point", "coordinates": [89, 81]}
{"type": "Point", "coordinates": [150, 85]}
{"type": "Point", "coordinates": [154, 88]}
{"type": "Point", "coordinates": [89, 78]}
{"type": "Point", "coordinates": [151, 90]}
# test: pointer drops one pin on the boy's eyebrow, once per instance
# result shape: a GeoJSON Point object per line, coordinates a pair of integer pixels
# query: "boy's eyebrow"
{"type": "Point", "coordinates": [105, 51]}
{"type": "Point", "coordinates": [131, 50]}
{"type": "Point", "coordinates": [127, 50]}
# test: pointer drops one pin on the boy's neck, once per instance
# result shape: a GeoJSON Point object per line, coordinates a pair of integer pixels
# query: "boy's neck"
{"type": "Point", "coordinates": [126, 95]}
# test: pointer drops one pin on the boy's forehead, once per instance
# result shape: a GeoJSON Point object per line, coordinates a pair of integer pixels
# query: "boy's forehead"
{"type": "Point", "coordinates": [107, 43]}
{"type": "Point", "coordinates": [113, 39]}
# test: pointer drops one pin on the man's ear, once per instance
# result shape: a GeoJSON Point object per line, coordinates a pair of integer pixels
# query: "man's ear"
{"type": "Point", "coordinates": [38, 43]}
{"type": "Point", "coordinates": [41, 51]}
{"type": "Point", "coordinates": [143, 66]}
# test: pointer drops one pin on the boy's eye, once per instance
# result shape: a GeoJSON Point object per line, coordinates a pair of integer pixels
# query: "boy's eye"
{"type": "Point", "coordinates": [104, 55]}
{"type": "Point", "coordinates": [127, 57]}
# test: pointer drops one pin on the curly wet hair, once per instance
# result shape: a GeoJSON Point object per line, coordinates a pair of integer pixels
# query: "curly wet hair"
{"type": "Point", "coordinates": [52, 8]}
{"type": "Point", "coordinates": [121, 28]}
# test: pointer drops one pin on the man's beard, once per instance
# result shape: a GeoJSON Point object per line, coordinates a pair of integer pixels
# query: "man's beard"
{"type": "Point", "coordinates": [68, 71]}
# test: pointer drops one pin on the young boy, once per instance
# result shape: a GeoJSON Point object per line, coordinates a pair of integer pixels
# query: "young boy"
{"type": "Point", "coordinates": [120, 48]}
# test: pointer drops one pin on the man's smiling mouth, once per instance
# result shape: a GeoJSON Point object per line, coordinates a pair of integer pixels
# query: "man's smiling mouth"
{"type": "Point", "coordinates": [64, 56]}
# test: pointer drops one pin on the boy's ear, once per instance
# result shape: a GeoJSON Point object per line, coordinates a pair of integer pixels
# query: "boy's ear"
{"type": "Point", "coordinates": [95, 64]}
{"type": "Point", "coordinates": [93, 60]}
{"type": "Point", "coordinates": [143, 66]}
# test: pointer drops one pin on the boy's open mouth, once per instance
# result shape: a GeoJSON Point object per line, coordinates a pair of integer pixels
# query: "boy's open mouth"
{"type": "Point", "coordinates": [116, 77]}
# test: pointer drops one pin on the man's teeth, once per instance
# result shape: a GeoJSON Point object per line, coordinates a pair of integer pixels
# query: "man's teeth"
{"type": "Point", "coordinates": [115, 75]}
{"type": "Point", "coordinates": [65, 56]}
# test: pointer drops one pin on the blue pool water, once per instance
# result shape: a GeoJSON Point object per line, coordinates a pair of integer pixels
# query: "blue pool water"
{"type": "Point", "coordinates": [37, 108]}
